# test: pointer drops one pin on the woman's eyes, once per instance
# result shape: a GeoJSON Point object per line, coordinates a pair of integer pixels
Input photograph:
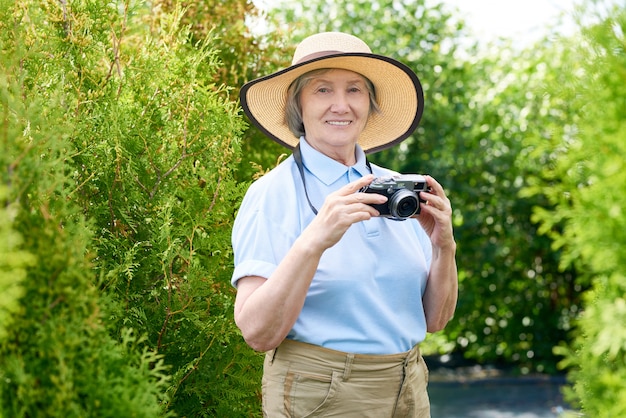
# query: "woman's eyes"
{"type": "Point", "coordinates": [328, 90]}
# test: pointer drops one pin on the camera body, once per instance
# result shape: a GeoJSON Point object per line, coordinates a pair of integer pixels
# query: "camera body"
{"type": "Point", "coordinates": [402, 192]}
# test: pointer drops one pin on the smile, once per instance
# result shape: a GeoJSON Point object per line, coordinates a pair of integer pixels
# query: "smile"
{"type": "Point", "coordinates": [338, 123]}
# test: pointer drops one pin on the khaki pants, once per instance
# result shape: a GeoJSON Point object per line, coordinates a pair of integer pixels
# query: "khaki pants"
{"type": "Point", "coordinates": [303, 380]}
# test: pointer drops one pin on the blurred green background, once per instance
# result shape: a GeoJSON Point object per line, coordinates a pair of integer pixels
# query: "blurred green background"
{"type": "Point", "coordinates": [126, 154]}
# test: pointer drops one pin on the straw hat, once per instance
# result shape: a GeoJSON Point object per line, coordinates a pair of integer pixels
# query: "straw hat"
{"type": "Point", "coordinates": [398, 90]}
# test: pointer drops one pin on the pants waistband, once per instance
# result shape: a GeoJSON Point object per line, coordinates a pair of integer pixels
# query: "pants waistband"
{"type": "Point", "coordinates": [318, 358]}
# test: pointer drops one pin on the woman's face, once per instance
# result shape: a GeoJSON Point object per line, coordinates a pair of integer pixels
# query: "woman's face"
{"type": "Point", "coordinates": [335, 108]}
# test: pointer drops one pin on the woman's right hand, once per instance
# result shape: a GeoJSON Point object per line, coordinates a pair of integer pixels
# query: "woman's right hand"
{"type": "Point", "coordinates": [340, 210]}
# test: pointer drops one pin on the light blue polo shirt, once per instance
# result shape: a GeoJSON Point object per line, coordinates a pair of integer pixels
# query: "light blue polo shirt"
{"type": "Point", "coordinates": [366, 296]}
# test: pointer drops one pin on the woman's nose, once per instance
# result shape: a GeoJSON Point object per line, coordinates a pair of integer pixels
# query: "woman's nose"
{"type": "Point", "coordinates": [340, 104]}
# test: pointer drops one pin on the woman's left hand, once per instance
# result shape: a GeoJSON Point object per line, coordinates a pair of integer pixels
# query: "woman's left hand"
{"type": "Point", "coordinates": [441, 294]}
{"type": "Point", "coordinates": [436, 215]}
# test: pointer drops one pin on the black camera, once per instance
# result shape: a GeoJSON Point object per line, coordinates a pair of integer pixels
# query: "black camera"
{"type": "Point", "coordinates": [402, 192]}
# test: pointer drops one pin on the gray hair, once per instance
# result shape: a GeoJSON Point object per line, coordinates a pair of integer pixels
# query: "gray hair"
{"type": "Point", "coordinates": [293, 108]}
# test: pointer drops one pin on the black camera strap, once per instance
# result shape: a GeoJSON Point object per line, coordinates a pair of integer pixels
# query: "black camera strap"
{"type": "Point", "coordinates": [297, 156]}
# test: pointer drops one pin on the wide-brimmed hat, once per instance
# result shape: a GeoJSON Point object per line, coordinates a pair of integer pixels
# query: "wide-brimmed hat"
{"type": "Point", "coordinates": [398, 90]}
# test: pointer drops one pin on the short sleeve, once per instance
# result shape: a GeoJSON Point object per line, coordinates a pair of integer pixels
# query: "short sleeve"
{"type": "Point", "coordinates": [264, 230]}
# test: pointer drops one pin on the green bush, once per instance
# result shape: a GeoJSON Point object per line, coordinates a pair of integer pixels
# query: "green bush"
{"type": "Point", "coordinates": [13, 264]}
{"type": "Point", "coordinates": [56, 357]}
{"type": "Point", "coordinates": [120, 152]}
{"type": "Point", "coordinates": [585, 178]}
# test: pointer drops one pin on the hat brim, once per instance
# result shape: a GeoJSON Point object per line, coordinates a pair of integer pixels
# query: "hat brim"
{"type": "Point", "coordinates": [399, 95]}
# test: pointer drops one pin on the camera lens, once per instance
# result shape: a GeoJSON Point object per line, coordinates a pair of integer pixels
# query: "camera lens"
{"type": "Point", "coordinates": [403, 204]}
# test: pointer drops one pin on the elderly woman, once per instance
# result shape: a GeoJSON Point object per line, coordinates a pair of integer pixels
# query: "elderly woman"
{"type": "Point", "coordinates": [337, 295]}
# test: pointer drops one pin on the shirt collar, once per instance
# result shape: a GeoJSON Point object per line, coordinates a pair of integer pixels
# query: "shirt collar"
{"type": "Point", "coordinates": [325, 168]}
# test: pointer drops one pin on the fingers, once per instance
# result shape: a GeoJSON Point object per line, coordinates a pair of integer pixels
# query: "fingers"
{"type": "Point", "coordinates": [355, 186]}
{"type": "Point", "coordinates": [434, 185]}
{"type": "Point", "coordinates": [436, 196]}
{"type": "Point", "coordinates": [343, 208]}
{"type": "Point", "coordinates": [350, 194]}
{"type": "Point", "coordinates": [351, 202]}
{"type": "Point", "coordinates": [436, 215]}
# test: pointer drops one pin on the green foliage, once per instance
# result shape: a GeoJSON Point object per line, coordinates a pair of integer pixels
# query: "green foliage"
{"type": "Point", "coordinates": [121, 152]}
{"type": "Point", "coordinates": [243, 54]}
{"type": "Point", "coordinates": [585, 178]}
{"type": "Point", "coordinates": [515, 304]}
{"type": "Point", "coordinates": [13, 263]}
{"type": "Point", "coordinates": [56, 356]}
